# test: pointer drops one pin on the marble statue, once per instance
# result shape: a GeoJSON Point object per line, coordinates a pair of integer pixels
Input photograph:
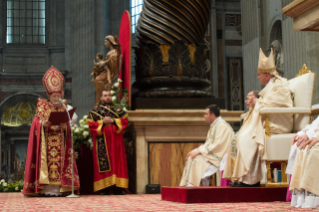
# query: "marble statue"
{"type": "Point", "coordinates": [278, 55]}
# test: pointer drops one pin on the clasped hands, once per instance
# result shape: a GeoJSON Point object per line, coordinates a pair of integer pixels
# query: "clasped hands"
{"type": "Point", "coordinates": [192, 154]}
{"type": "Point", "coordinates": [47, 124]}
{"type": "Point", "coordinates": [302, 141]}
{"type": "Point", "coordinates": [108, 120]}
{"type": "Point", "coordinates": [252, 100]}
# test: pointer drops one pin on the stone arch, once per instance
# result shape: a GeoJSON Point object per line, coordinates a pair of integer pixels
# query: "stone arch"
{"type": "Point", "coordinates": [276, 31]}
{"type": "Point", "coordinates": [19, 96]}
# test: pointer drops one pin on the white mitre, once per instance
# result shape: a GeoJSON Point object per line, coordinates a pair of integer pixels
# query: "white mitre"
{"type": "Point", "coordinates": [267, 65]}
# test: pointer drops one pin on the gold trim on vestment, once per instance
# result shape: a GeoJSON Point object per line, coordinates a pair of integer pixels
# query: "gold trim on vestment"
{"type": "Point", "coordinates": [109, 181]}
{"type": "Point", "coordinates": [267, 71]}
{"type": "Point", "coordinates": [44, 176]}
{"type": "Point", "coordinates": [68, 188]}
{"type": "Point", "coordinates": [99, 128]}
{"type": "Point", "coordinates": [109, 109]}
{"type": "Point", "coordinates": [119, 125]}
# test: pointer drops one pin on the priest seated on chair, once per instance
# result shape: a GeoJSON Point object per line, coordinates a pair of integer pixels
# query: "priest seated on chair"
{"type": "Point", "coordinates": [302, 164]}
{"type": "Point", "coordinates": [246, 159]}
{"type": "Point", "coordinates": [204, 161]}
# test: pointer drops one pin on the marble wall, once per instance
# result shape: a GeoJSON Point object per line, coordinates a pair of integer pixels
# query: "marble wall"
{"type": "Point", "coordinates": [300, 48]}
{"type": "Point", "coordinates": [251, 44]}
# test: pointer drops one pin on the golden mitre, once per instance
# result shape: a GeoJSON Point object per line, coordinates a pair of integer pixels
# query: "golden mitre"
{"type": "Point", "coordinates": [267, 65]}
{"type": "Point", "coordinates": [53, 81]}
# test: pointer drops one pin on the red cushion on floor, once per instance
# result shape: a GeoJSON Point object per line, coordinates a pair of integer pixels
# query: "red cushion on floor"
{"type": "Point", "coordinates": [218, 194]}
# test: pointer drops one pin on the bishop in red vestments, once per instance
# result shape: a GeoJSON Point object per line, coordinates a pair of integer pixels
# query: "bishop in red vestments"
{"type": "Point", "coordinates": [107, 124]}
{"type": "Point", "coordinates": [48, 163]}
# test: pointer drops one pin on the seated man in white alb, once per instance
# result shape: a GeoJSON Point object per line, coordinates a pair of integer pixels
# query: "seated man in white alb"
{"type": "Point", "coordinates": [250, 96]}
{"type": "Point", "coordinates": [245, 164]}
{"type": "Point", "coordinates": [303, 165]}
{"type": "Point", "coordinates": [204, 161]}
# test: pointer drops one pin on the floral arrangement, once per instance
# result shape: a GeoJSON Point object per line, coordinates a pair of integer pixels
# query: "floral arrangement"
{"type": "Point", "coordinates": [11, 186]}
{"type": "Point", "coordinates": [81, 134]}
{"type": "Point", "coordinates": [119, 96]}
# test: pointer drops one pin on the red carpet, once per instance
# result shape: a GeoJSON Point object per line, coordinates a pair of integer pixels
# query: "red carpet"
{"type": "Point", "coordinates": [18, 203]}
{"type": "Point", "coordinates": [220, 194]}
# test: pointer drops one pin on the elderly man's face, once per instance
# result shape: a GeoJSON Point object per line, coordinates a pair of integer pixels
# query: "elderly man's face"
{"type": "Point", "coordinates": [54, 99]}
{"type": "Point", "coordinates": [263, 78]}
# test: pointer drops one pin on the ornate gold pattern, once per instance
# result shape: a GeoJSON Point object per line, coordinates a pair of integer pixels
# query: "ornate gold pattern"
{"type": "Point", "coordinates": [270, 70]}
{"type": "Point", "coordinates": [112, 180]}
{"type": "Point", "coordinates": [267, 129]}
{"type": "Point", "coordinates": [53, 81]}
{"type": "Point", "coordinates": [303, 70]}
{"type": "Point", "coordinates": [55, 155]}
{"type": "Point", "coordinates": [44, 176]}
{"type": "Point", "coordinates": [19, 113]}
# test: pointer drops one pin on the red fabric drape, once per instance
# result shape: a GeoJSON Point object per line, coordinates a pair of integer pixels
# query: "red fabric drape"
{"type": "Point", "coordinates": [125, 39]}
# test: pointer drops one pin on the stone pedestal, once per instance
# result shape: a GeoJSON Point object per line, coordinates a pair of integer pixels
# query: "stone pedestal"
{"type": "Point", "coordinates": [173, 126]}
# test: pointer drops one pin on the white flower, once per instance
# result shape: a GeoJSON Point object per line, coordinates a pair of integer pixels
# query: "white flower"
{"type": "Point", "coordinates": [112, 92]}
{"type": "Point", "coordinates": [5, 184]}
{"type": "Point", "coordinates": [86, 126]}
{"type": "Point", "coordinates": [85, 117]}
{"type": "Point", "coordinates": [90, 140]}
{"type": "Point", "coordinates": [124, 108]}
{"type": "Point", "coordinates": [85, 134]}
{"type": "Point", "coordinates": [114, 98]}
{"type": "Point", "coordinates": [17, 188]}
{"type": "Point", "coordinates": [119, 80]}
{"type": "Point", "coordinates": [77, 130]}
{"type": "Point", "coordinates": [3, 181]}
{"type": "Point", "coordinates": [75, 126]}
{"type": "Point", "coordinates": [116, 85]}
{"type": "Point", "coordinates": [81, 121]}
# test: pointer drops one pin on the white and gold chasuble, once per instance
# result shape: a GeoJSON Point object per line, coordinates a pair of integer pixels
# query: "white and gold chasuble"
{"type": "Point", "coordinates": [246, 157]}
{"type": "Point", "coordinates": [216, 144]}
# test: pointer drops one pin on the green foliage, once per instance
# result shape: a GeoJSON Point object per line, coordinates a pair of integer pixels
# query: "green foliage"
{"type": "Point", "coordinates": [120, 96]}
{"type": "Point", "coordinates": [11, 186]}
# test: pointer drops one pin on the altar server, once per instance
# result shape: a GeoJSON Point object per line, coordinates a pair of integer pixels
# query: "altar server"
{"type": "Point", "coordinates": [204, 161]}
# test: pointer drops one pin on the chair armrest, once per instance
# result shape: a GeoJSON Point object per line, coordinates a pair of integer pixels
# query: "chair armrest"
{"type": "Point", "coordinates": [280, 110]}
